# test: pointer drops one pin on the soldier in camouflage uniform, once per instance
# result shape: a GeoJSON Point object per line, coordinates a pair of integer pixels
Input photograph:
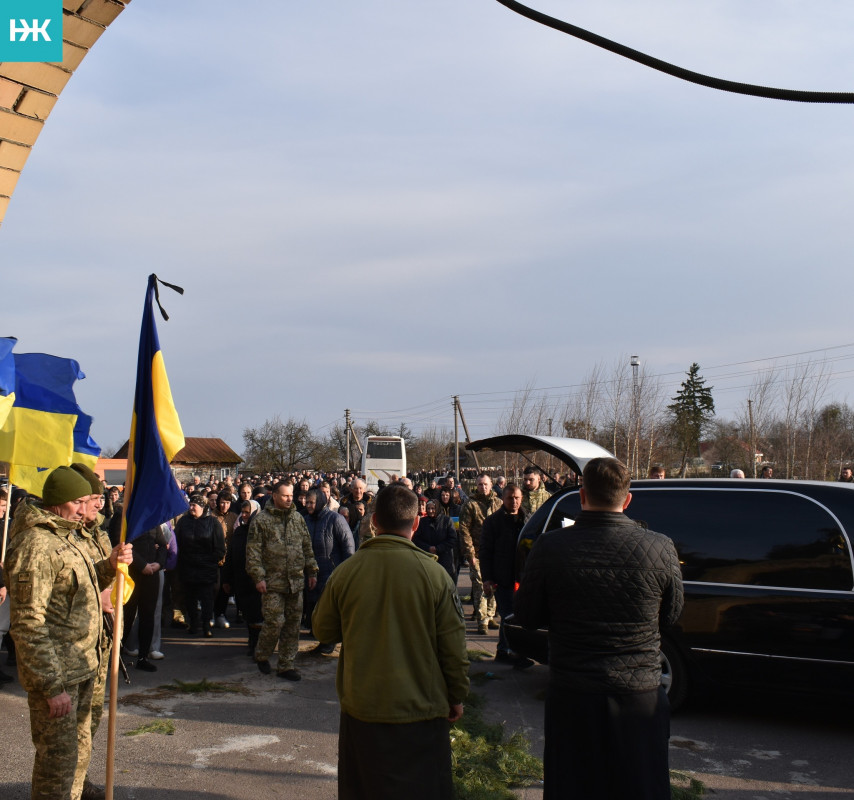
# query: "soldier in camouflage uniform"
{"type": "Point", "coordinates": [483, 503]}
{"type": "Point", "coordinates": [97, 543]}
{"type": "Point", "coordinates": [57, 623]}
{"type": "Point", "coordinates": [280, 559]}
{"type": "Point", "coordinates": [534, 493]}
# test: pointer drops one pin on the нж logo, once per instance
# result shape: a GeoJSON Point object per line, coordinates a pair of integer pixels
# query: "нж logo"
{"type": "Point", "coordinates": [35, 30]}
{"type": "Point", "coordinates": [30, 30]}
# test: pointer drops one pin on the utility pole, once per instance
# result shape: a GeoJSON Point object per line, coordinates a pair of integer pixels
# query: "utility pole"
{"type": "Point", "coordinates": [752, 435]}
{"type": "Point", "coordinates": [635, 362]}
{"type": "Point", "coordinates": [456, 440]}
{"type": "Point", "coordinates": [347, 426]}
{"type": "Point", "coordinates": [466, 429]}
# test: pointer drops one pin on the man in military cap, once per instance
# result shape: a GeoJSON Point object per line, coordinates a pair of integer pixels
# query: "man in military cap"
{"type": "Point", "coordinates": [55, 585]}
{"type": "Point", "coordinates": [97, 543]}
{"type": "Point", "coordinates": [280, 559]}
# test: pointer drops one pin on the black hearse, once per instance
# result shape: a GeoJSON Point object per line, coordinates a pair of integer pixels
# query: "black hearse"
{"type": "Point", "coordinates": [767, 567]}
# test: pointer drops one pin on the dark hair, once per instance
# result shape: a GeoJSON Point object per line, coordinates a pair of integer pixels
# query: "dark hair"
{"type": "Point", "coordinates": [656, 471]}
{"type": "Point", "coordinates": [606, 482]}
{"type": "Point", "coordinates": [245, 505]}
{"type": "Point", "coordinates": [396, 509]}
{"type": "Point", "coordinates": [529, 470]}
{"type": "Point", "coordinates": [511, 487]}
{"type": "Point", "coordinates": [279, 485]}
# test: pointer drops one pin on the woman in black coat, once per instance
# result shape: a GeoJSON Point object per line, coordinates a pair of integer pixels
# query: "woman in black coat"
{"type": "Point", "coordinates": [436, 534]}
{"type": "Point", "coordinates": [201, 549]}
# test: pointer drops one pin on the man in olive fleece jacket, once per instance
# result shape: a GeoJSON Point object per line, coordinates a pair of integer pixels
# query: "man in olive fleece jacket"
{"type": "Point", "coordinates": [403, 670]}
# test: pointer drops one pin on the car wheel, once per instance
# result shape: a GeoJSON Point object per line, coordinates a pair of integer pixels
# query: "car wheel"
{"type": "Point", "coordinates": [674, 675]}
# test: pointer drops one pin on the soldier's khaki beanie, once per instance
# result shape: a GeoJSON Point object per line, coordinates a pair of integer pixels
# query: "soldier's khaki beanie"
{"type": "Point", "coordinates": [63, 485]}
{"type": "Point", "coordinates": [94, 480]}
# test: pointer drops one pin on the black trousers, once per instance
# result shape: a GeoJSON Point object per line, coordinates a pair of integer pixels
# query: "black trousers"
{"type": "Point", "coordinates": [385, 761]}
{"type": "Point", "coordinates": [607, 746]}
{"type": "Point", "coordinates": [198, 595]}
{"type": "Point", "coordinates": [146, 590]}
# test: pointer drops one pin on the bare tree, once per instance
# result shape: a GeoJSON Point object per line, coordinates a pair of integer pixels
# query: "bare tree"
{"type": "Point", "coordinates": [817, 382]}
{"type": "Point", "coordinates": [430, 450]}
{"type": "Point", "coordinates": [651, 412]}
{"type": "Point", "coordinates": [796, 388]}
{"type": "Point", "coordinates": [617, 406]}
{"type": "Point", "coordinates": [579, 414]}
{"type": "Point", "coordinates": [758, 413]}
{"type": "Point", "coordinates": [279, 446]}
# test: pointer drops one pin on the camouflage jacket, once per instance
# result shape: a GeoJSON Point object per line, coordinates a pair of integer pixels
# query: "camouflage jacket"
{"type": "Point", "coordinates": [55, 583]}
{"type": "Point", "coordinates": [279, 549]}
{"type": "Point", "coordinates": [472, 516]}
{"type": "Point", "coordinates": [532, 500]}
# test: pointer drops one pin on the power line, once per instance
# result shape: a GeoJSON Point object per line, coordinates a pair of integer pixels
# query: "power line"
{"type": "Point", "coordinates": [771, 93]}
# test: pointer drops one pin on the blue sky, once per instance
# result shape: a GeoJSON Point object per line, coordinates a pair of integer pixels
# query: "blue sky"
{"type": "Point", "coordinates": [377, 206]}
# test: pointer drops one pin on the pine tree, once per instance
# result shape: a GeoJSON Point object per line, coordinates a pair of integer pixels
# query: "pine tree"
{"type": "Point", "coordinates": [691, 411]}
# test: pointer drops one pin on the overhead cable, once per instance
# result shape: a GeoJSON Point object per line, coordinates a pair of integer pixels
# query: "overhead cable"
{"type": "Point", "coordinates": [793, 95]}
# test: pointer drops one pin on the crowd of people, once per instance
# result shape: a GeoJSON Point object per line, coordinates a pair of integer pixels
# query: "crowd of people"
{"type": "Point", "coordinates": [376, 572]}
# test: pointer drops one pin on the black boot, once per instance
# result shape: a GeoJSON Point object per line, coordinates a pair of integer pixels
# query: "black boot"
{"type": "Point", "coordinates": [254, 633]}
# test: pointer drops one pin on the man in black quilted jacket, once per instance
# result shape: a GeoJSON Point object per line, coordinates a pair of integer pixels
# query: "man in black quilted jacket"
{"type": "Point", "coordinates": [603, 587]}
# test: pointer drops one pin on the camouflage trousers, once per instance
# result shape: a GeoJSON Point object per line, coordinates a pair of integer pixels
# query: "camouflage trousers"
{"type": "Point", "coordinates": [100, 687]}
{"type": "Point", "coordinates": [282, 613]}
{"type": "Point", "coordinates": [63, 745]}
{"type": "Point", "coordinates": [484, 607]}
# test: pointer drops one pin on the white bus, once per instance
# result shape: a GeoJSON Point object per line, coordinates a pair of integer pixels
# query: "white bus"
{"type": "Point", "coordinates": [383, 459]}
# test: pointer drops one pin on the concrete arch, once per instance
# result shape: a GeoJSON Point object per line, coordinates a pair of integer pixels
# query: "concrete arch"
{"type": "Point", "coordinates": [29, 91]}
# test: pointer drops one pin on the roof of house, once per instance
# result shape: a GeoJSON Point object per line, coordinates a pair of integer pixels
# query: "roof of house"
{"type": "Point", "coordinates": [198, 450]}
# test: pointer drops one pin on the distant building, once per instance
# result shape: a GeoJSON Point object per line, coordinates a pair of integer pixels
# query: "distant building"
{"type": "Point", "coordinates": [200, 456]}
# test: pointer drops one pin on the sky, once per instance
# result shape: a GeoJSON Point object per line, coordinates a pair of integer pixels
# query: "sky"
{"type": "Point", "coordinates": [380, 205]}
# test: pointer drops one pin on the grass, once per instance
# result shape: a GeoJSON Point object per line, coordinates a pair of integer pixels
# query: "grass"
{"type": "Point", "coordinates": [486, 763]}
{"type": "Point", "coordinates": [164, 726]}
{"type": "Point", "coordinates": [479, 655]}
{"type": "Point", "coordinates": [684, 787]}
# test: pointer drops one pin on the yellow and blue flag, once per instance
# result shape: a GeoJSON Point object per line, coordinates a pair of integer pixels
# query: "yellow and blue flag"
{"type": "Point", "coordinates": [152, 495]}
{"type": "Point", "coordinates": [44, 427]}
{"type": "Point", "coordinates": [7, 377]}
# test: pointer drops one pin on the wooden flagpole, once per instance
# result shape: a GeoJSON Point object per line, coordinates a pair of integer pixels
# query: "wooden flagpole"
{"type": "Point", "coordinates": [6, 521]}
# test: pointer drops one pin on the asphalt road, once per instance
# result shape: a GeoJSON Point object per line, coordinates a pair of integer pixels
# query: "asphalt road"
{"type": "Point", "coordinates": [272, 738]}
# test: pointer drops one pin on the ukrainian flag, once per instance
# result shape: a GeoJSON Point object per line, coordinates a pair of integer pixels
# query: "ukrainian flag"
{"type": "Point", "coordinates": [7, 377]}
{"type": "Point", "coordinates": [151, 494]}
{"type": "Point", "coordinates": [40, 430]}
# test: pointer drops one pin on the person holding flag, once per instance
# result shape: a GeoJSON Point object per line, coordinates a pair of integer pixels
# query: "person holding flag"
{"type": "Point", "coordinates": [98, 544]}
{"type": "Point", "coordinates": [57, 624]}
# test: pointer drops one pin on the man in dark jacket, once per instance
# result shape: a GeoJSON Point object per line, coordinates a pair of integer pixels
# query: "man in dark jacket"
{"type": "Point", "coordinates": [498, 539]}
{"type": "Point", "coordinates": [332, 543]}
{"type": "Point", "coordinates": [604, 587]}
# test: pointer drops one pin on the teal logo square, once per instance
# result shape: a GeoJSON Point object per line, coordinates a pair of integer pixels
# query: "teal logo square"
{"type": "Point", "coordinates": [30, 30]}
